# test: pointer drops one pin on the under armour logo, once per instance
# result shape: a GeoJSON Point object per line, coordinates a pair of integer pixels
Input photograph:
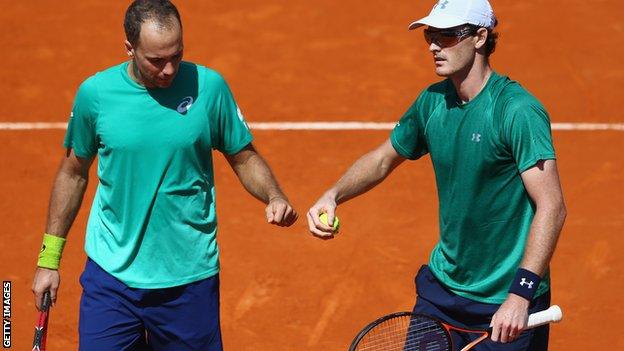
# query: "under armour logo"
{"type": "Point", "coordinates": [443, 4]}
{"type": "Point", "coordinates": [523, 282]}
{"type": "Point", "coordinates": [476, 137]}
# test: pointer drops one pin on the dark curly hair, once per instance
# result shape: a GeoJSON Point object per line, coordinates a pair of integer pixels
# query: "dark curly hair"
{"type": "Point", "coordinates": [141, 10]}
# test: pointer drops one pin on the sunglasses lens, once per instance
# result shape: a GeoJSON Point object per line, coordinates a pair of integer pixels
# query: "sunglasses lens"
{"type": "Point", "coordinates": [442, 39]}
{"type": "Point", "coordinates": [428, 37]}
{"type": "Point", "coordinates": [446, 41]}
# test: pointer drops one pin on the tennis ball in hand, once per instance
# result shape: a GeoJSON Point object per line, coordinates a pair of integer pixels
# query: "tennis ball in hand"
{"type": "Point", "coordinates": [323, 219]}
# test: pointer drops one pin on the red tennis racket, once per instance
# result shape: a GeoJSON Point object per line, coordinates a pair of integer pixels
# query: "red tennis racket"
{"type": "Point", "coordinates": [404, 331]}
{"type": "Point", "coordinates": [41, 329]}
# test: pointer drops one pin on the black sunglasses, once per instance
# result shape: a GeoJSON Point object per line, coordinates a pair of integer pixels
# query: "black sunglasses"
{"type": "Point", "coordinates": [448, 37]}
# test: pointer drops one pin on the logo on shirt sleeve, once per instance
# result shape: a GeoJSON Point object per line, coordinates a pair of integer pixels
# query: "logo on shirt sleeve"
{"type": "Point", "coordinates": [241, 117]}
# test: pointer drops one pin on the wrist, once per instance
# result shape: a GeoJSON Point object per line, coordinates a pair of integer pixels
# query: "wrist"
{"type": "Point", "coordinates": [277, 196]}
{"type": "Point", "coordinates": [518, 300]}
{"type": "Point", "coordinates": [331, 195]}
{"type": "Point", "coordinates": [51, 251]}
{"type": "Point", "coordinates": [525, 284]}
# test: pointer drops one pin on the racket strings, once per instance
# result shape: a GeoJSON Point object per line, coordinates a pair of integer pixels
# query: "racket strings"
{"type": "Point", "coordinates": [406, 334]}
{"type": "Point", "coordinates": [408, 344]}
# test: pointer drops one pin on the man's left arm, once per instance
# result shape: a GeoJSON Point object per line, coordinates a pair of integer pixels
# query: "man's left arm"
{"type": "Point", "coordinates": [543, 186]}
{"type": "Point", "coordinates": [256, 176]}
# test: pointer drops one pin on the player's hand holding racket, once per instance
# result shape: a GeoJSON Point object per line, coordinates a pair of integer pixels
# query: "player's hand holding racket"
{"type": "Point", "coordinates": [41, 328]}
{"type": "Point", "coordinates": [510, 319]}
{"type": "Point", "coordinates": [404, 331]}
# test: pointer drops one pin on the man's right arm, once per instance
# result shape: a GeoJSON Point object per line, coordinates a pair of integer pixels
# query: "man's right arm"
{"type": "Point", "coordinates": [368, 171]}
{"type": "Point", "coordinates": [67, 193]}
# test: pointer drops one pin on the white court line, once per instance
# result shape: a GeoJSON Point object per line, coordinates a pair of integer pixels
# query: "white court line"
{"type": "Point", "coordinates": [588, 126]}
{"type": "Point", "coordinates": [316, 126]}
{"type": "Point", "coordinates": [321, 125]}
{"type": "Point", "coordinates": [31, 125]}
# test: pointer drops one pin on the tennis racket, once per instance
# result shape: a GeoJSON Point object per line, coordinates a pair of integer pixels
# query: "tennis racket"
{"type": "Point", "coordinates": [405, 331]}
{"type": "Point", "coordinates": [41, 329]}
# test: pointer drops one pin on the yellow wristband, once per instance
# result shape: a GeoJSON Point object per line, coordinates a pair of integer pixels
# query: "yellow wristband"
{"type": "Point", "coordinates": [51, 251]}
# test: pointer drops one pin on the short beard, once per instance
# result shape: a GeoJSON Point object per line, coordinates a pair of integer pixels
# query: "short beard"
{"type": "Point", "coordinates": [141, 79]}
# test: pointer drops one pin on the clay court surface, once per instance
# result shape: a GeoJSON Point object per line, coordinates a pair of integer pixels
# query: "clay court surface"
{"type": "Point", "coordinates": [311, 61]}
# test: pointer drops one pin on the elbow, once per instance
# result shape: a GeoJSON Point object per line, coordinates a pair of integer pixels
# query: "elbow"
{"type": "Point", "coordinates": [556, 212]}
{"type": "Point", "coordinates": [384, 170]}
{"type": "Point", "coordinates": [79, 179]}
{"type": "Point", "coordinates": [386, 166]}
{"type": "Point", "coordinates": [78, 176]}
{"type": "Point", "coordinates": [562, 213]}
{"type": "Point", "coordinates": [83, 181]}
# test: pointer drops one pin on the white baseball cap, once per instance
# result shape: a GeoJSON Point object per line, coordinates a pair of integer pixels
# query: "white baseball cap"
{"type": "Point", "coordinates": [453, 13]}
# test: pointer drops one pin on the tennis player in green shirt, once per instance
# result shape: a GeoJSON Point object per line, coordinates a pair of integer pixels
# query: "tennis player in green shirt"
{"type": "Point", "coordinates": [152, 276]}
{"type": "Point", "coordinates": [501, 207]}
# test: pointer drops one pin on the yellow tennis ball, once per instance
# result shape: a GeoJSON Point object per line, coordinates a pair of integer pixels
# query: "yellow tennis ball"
{"type": "Point", "coordinates": [323, 219]}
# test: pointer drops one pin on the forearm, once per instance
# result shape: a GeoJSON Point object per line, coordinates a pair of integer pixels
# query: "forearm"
{"type": "Point", "coordinates": [370, 170]}
{"type": "Point", "coordinates": [543, 236]}
{"type": "Point", "coordinates": [511, 317]}
{"type": "Point", "coordinates": [67, 194]}
{"type": "Point", "coordinates": [257, 178]}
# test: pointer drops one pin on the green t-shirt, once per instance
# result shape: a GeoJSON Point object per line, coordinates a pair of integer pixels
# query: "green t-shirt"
{"type": "Point", "coordinates": [153, 221]}
{"type": "Point", "coordinates": [478, 150]}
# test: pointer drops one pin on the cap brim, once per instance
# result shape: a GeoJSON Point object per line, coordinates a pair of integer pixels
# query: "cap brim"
{"type": "Point", "coordinates": [438, 21]}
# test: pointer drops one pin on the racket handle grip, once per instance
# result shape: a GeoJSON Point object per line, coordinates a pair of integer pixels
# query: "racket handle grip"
{"type": "Point", "coordinates": [552, 315]}
{"type": "Point", "coordinates": [46, 302]}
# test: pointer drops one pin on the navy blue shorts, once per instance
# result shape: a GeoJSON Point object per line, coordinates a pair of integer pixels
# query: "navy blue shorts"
{"type": "Point", "coordinates": [116, 317]}
{"type": "Point", "coordinates": [435, 300]}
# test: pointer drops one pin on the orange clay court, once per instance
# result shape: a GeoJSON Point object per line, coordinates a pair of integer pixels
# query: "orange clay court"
{"type": "Point", "coordinates": [311, 61]}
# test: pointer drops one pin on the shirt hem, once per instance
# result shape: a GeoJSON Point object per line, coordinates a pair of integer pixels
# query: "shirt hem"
{"type": "Point", "coordinates": [78, 152]}
{"type": "Point", "coordinates": [239, 147]}
{"type": "Point", "coordinates": [534, 160]}
{"type": "Point", "coordinates": [170, 284]}
{"type": "Point", "coordinates": [401, 150]}
{"type": "Point", "coordinates": [495, 301]}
